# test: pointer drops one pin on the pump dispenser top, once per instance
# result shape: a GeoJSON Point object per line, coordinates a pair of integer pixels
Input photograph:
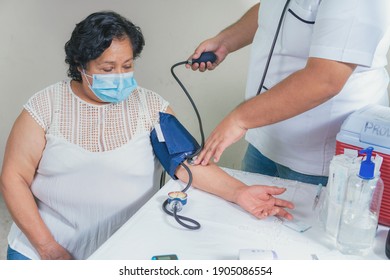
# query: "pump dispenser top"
{"type": "Point", "coordinates": [367, 166]}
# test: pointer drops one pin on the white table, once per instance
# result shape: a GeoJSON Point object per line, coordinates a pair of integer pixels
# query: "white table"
{"type": "Point", "coordinates": [226, 228]}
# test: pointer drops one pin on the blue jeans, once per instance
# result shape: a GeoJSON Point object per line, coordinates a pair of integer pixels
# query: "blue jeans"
{"type": "Point", "coordinates": [256, 162]}
{"type": "Point", "coordinates": [15, 255]}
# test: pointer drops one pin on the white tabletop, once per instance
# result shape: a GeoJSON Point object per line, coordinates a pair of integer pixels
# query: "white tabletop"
{"type": "Point", "coordinates": [226, 228]}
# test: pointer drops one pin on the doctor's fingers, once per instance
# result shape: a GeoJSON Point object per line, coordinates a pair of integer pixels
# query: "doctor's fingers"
{"type": "Point", "coordinates": [202, 67]}
{"type": "Point", "coordinates": [226, 133]}
{"type": "Point", "coordinates": [213, 150]}
{"type": "Point", "coordinates": [207, 152]}
{"type": "Point", "coordinates": [205, 156]}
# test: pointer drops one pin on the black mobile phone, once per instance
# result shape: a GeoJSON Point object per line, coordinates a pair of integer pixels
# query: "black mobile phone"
{"type": "Point", "coordinates": [165, 257]}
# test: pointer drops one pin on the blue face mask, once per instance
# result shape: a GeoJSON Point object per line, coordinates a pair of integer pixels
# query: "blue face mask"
{"type": "Point", "coordinates": [112, 88]}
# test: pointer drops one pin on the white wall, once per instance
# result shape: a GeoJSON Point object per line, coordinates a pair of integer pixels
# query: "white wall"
{"type": "Point", "coordinates": [33, 34]}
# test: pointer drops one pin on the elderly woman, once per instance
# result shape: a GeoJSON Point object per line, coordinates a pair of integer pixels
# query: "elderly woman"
{"type": "Point", "coordinates": [79, 161]}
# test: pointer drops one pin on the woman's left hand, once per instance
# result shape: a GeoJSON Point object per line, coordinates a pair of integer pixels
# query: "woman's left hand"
{"type": "Point", "coordinates": [261, 202]}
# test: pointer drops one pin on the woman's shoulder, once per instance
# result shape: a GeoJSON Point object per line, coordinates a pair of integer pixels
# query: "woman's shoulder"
{"type": "Point", "coordinates": [47, 92]}
{"type": "Point", "coordinates": [147, 92]}
{"type": "Point", "coordinates": [40, 105]}
{"type": "Point", "coordinates": [151, 103]}
{"type": "Point", "coordinates": [150, 96]}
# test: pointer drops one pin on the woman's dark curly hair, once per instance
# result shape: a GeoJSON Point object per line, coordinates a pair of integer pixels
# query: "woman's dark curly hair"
{"type": "Point", "coordinates": [92, 36]}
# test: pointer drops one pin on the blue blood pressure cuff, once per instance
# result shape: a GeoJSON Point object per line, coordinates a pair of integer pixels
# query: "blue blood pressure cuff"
{"type": "Point", "coordinates": [172, 143]}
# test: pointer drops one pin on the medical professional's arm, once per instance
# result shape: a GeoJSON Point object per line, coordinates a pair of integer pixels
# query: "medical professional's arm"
{"type": "Point", "coordinates": [303, 90]}
{"type": "Point", "coordinates": [258, 200]}
{"type": "Point", "coordinates": [232, 38]}
{"type": "Point", "coordinates": [22, 155]}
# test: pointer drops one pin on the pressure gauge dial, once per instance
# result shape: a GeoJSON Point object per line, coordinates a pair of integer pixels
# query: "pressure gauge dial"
{"type": "Point", "coordinates": [177, 199]}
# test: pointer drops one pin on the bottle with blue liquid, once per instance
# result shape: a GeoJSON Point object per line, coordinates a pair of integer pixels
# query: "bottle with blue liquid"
{"type": "Point", "coordinates": [360, 212]}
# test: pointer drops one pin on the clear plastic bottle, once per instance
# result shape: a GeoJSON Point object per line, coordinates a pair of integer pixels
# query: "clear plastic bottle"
{"type": "Point", "coordinates": [340, 169]}
{"type": "Point", "coordinates": [360, 212]}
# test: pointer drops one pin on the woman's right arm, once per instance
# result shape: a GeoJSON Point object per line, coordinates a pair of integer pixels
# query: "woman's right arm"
{"type": "Point", "coordinates": [22, 155]}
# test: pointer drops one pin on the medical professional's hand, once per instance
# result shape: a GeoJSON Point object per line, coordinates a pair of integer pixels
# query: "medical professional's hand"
{"type": "Point", "coordinates": [231, 39]}
{"type": "Point", "coordinates": [211, 45]}
{"type": "Point", "coordinates": [261, 202]}
{"type": "Point", "coordinates": [227, 132]}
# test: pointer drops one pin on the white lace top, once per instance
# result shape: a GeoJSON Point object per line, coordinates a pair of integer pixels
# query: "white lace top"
{"type": "Point", "coordinates": [97, 168]}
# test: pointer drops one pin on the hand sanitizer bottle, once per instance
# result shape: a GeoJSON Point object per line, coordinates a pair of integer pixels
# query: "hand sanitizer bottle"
{"type": "Point", "coordinates": [360, 212]}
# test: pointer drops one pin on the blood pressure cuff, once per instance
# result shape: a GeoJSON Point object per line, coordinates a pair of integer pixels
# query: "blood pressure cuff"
{"type": "Point", "coordinates": [172, 143]}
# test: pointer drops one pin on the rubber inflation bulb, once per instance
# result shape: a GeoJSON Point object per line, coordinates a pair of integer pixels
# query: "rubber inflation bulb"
{"type": "Point", "coordinates": [205, 57]}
